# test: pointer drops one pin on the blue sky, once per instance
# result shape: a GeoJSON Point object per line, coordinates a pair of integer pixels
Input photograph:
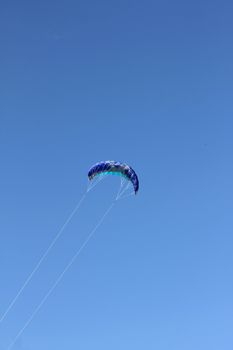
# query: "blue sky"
{"type": "Point", "coordinates": [148, 83]}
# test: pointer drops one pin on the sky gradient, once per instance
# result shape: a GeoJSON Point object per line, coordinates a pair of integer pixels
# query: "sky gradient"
{"type": "Point", "coordinates": [145, 82]}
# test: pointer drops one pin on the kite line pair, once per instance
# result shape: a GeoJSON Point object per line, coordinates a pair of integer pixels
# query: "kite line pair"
{"type": "Point", "coordinates": [96, 174]}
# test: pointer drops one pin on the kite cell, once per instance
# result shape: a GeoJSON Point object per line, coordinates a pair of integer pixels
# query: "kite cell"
{"type": "Point", "coordinates": [115, 168]}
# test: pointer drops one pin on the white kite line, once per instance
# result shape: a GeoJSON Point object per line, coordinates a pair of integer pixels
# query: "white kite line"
{"type": "Point", "coordinates": [124, 186]}
{"type": "Point", "coordinates": [90, 186]}
{"type": "Point", "coordinates": [58, 280]}
{"type": "Point", "coordinates": [42, 258]}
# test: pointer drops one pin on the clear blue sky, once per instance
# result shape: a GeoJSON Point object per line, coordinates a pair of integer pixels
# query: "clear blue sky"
{"type": "Point", "coordinates": [149, 83]}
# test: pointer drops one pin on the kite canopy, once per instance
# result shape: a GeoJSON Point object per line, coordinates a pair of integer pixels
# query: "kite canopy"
{"type": "Point", "coordinates": [115, 168]}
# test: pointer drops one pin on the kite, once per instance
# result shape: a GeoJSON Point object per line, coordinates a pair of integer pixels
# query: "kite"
{"type": "Point", "coordinates": [111, 167]}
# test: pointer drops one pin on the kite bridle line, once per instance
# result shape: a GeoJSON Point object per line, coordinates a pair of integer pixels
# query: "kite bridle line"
{"type": "Point", "coordinates": [125, 184]}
